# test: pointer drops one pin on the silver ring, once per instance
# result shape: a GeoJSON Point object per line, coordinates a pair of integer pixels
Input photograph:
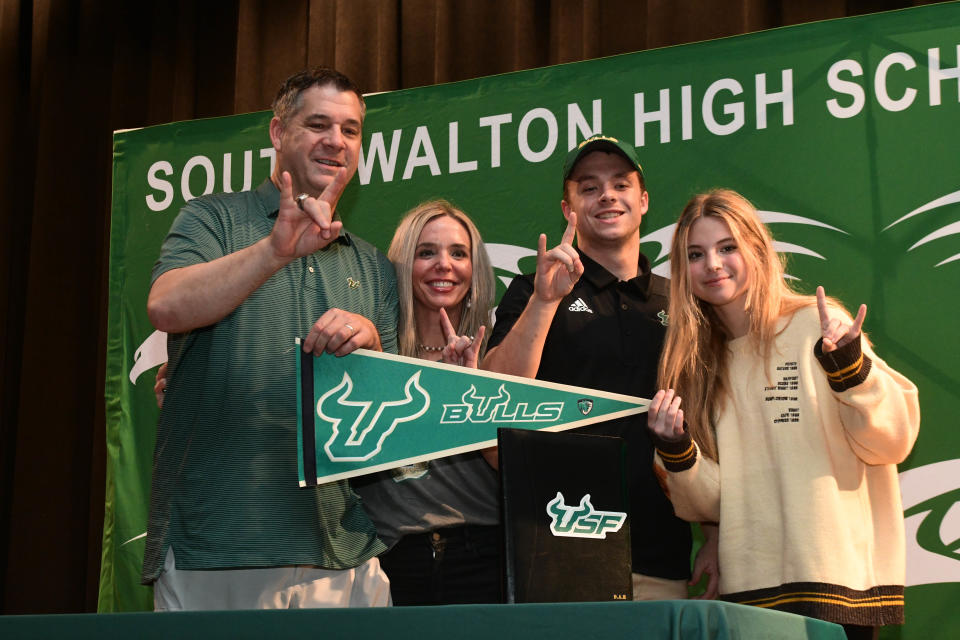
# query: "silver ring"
{"type": "Point", "coordinates": [347, 325]}
{"type": "Point", "coordinates": [300, 198]}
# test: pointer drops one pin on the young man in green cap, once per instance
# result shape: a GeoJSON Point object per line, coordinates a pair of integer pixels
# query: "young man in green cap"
{"type": "Point", "coordinates": [595, 316]}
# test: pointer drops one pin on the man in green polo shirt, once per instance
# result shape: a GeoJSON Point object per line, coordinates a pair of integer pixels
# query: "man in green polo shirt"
{"type": "Point", "coordinates": [239, 277]}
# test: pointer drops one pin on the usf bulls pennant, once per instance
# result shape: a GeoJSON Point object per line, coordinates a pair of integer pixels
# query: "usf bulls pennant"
{"type": "Point", "coordinates": [370, 411]}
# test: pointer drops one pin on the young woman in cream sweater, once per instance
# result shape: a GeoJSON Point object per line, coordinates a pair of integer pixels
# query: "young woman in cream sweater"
{"type": "Point", "coordinates": [790, 431]}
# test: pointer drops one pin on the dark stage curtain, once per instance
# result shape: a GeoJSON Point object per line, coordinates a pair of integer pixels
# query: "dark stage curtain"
{"type": "Point", "coordinates": [73, 71]}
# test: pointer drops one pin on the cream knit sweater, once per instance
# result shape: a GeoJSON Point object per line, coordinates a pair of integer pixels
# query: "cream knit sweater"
{"type": "Point", "coordinates": [806, 492]}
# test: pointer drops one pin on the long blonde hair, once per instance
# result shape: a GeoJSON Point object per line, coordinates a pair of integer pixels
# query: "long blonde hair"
{"type": "Point", "coordinates": [402, 253]}
{"type": "Point", "coordinates": [694, 360]}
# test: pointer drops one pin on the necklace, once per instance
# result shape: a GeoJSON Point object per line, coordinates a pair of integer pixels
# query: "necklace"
{"type": "Point", "coordinates": [426, 347]}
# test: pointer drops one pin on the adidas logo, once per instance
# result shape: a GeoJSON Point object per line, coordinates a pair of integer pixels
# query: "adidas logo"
{"type": "Point", "coordinates": [580, 305]}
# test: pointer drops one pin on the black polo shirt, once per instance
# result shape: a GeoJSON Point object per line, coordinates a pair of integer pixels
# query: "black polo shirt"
{"type": "Point", "coordinates": [608, 335]}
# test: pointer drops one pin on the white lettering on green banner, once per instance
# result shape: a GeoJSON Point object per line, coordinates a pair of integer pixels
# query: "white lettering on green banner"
{"type": "Point", "coordinates": [371, 411]}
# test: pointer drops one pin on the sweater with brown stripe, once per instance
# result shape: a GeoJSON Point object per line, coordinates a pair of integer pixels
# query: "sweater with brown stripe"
{"type": "Point", "coordinates": [806, 491]}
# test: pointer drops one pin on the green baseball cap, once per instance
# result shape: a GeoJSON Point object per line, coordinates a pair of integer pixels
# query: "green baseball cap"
{"type": "Point", "coordinates": [599, 143]}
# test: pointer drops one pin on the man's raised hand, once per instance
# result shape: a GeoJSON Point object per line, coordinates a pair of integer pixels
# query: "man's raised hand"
{"type": "Point", "coordinates": [559, 268]}
{"type": "Point", "coordinates": [302, 229]}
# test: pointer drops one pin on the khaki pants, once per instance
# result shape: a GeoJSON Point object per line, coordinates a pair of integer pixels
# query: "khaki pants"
{"type": "Point", "coordinates": [290, 587]}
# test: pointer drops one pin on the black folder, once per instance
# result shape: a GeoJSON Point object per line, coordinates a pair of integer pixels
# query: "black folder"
{"type": "Point", "coordinates": [565, 517]}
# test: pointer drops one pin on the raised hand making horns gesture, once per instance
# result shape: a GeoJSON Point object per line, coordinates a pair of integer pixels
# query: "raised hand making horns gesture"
{"type": "Point", "coordinates": [461, 350]}
{"type": "Point", "coordinates": [837, 332]}
{"type": "Point", "coordinates": [307, 226]}
{"type": "Point", "coordinates": [559, 268]}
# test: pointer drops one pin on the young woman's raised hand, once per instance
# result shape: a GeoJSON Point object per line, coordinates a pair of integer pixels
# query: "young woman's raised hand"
{"type": "Point", "coordinates": [836, 331]}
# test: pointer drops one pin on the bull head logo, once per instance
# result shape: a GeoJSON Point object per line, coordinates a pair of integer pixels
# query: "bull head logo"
{"type": "Point", "coordinates": [365, 436]}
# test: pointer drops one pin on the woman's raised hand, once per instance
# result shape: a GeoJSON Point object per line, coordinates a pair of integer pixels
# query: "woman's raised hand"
{"type": "Point", "coordinates": [461, 350]}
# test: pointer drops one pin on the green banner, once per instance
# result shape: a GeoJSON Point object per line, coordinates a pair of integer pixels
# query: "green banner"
{"type": "Point", "coordinates": [371, 411]}
{"type": "Point", "coordinates": [843, 133]}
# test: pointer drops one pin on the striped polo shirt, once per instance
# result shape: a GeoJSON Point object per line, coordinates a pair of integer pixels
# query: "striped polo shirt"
{"type": "Point", "coordinates": [224, 489]}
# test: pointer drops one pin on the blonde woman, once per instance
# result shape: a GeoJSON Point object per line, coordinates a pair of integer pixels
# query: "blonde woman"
{"type": "Point", "coordinates": [440, 519]}
{"type": "Point", "coordinates": [790, 430]}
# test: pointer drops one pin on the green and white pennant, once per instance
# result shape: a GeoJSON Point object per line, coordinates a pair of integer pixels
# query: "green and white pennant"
{"type": "Point", "coordinates": [371, 411]}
